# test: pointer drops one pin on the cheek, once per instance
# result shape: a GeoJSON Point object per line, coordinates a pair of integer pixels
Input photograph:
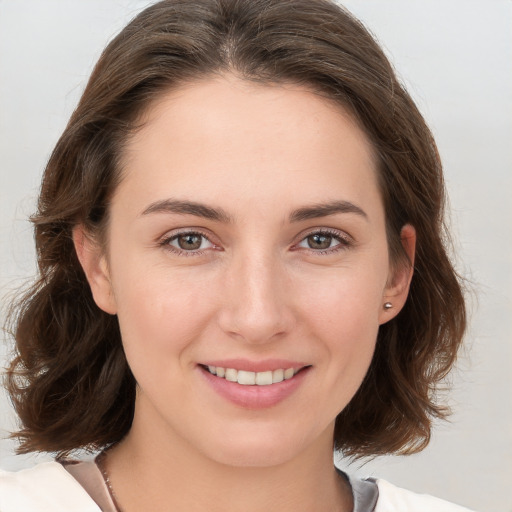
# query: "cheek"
{"type": "Point", "coordinates": [349, 332]}
{"type": "Point", "coordinates": [343, 316]}
{"type": "Point", "coordinates": [347, 300]}
{"type": "Point", "coordinates": [160, 314]}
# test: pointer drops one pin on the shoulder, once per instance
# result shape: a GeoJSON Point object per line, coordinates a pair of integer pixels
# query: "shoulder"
{"type": "Point", "coordinates": [395, 499]}
{"type": "Point", "coordinates": [47, 487]}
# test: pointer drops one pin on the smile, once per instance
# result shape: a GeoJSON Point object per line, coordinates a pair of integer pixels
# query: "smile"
{"type": "Point", "coordinates": [254, 385]}
{"type": "Point", "coordinates": [246, 378]}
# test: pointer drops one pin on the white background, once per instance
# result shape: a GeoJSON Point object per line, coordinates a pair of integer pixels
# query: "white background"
{"type": "Point", "coordinates": [456, 58]}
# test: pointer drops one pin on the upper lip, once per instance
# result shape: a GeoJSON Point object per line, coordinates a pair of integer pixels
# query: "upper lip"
{"type": "Point", "coordinates": [255, 366]}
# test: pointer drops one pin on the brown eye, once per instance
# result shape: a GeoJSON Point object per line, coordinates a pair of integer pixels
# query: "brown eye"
{"type": "Point", "coordinates": [319, 241]}
{"type": "Point", "coordinates": [189, 242]}
{"type": "Point", "coordinates": [324, 242]}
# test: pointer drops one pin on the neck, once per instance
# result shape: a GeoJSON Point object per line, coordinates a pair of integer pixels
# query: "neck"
{"type": "Point", "coordinates": [152, 473]}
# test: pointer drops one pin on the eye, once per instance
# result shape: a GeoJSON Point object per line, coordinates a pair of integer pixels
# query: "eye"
{"type": "Point", "coordinates": [318, 241]}
{"type": "Point", "coordinates": [188, 242]}
{"type": "Point", "coordinates": [324, 241]}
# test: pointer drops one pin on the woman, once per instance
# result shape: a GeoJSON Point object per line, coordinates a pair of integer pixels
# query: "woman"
{"type": "Point", "coordinates": [240, 240]}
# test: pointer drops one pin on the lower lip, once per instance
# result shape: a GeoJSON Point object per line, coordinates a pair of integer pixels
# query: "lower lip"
{"type": "Point", "coordinates": [254, 397]}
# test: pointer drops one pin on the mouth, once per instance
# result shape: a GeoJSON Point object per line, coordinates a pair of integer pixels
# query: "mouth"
{"type": "Point", "coordinates": [254, 385]}
{"type": "Point", "coordinates": [248, 378]}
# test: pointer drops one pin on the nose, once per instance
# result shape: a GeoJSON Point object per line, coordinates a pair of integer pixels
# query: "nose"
{"type": "Point", "coordinates": [257, 305]}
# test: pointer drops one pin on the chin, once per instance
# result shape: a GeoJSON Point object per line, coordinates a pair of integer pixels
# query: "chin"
{"type": "Point", "coordinates": [253, 456]}
{"type": "Point", "coordinates": [257, 448]}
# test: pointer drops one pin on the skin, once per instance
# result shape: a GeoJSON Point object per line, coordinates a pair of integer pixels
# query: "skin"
{"type": "Point", "coordinates": [255, 290]}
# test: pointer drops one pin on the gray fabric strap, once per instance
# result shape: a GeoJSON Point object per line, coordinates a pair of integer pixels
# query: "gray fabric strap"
{"type": "Point", "coordinates": [365, 492]}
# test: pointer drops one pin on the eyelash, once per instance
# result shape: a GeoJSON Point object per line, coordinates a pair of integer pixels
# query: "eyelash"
{"type": "Point", "coordinates": [345, 242]}
{"type": "Point", "coordinates": [166, 243]}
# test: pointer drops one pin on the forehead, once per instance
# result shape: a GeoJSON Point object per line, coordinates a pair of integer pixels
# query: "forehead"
{"type": "Point", "coordinates": [223, 136]}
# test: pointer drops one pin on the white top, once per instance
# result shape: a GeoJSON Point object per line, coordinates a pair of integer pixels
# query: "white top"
{"type": "Point", "coordinates": [49, 487]}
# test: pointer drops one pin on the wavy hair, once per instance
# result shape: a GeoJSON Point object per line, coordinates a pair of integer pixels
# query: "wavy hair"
{"type": "Point", "coordinates": [69, 381]}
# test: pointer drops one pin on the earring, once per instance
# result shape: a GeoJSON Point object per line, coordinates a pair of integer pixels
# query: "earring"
{"type": "Point", "coordinates": [388, 305]}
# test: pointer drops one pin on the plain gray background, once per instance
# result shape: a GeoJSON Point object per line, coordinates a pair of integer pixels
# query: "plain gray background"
{"type": "Point", "coordinates": [456, 58]}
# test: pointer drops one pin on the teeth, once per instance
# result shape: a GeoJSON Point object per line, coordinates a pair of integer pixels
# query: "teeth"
{"type": "Point", "coordinates": [263, 378]}
{"type": "Point", "coordinates": [253, 378]}
{"type": "Point", "coordinates": [277, 376]}
{"type": "Point", "coordinates": [231, 375]}
{"type": "Point", "coordinates": [246, 378]}
{"type": "Point", "coordinates": [288, 373]}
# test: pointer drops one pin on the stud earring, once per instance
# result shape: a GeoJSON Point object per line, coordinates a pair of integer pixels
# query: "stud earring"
{"type": "Point", "coordinates": [388, 305]}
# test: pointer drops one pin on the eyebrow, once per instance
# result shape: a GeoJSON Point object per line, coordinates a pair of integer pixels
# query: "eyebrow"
{"type": "Point", "coordinates": [188, 208]}
{"type": "Point", "coordinates": [218, 214]}
{"type": "Point", "coordinates": [325, 209]}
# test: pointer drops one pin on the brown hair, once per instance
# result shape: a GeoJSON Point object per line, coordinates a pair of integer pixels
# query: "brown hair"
{"type": "Point", "coordinates": [70, 382]}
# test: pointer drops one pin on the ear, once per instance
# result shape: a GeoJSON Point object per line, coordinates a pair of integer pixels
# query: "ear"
{"type": "Point", "coordinates": [397, 289]}
{"type": "Point", "coordinates": [94, 263]}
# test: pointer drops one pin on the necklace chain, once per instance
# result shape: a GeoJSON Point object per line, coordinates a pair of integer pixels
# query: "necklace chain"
{"type": "Point", "coordinates": [100, 462]}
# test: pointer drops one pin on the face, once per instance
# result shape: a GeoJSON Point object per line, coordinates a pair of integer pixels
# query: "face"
{"type": "Point", "coordinates": [248, 265]}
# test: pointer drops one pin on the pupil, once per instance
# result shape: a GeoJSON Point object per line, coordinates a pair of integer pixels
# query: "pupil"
{"type": "Point", "coordinates": [319, 241]}
{"type": "Point", "coordinates": [189, 242]}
